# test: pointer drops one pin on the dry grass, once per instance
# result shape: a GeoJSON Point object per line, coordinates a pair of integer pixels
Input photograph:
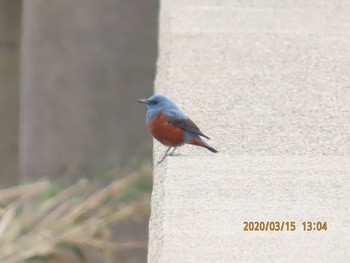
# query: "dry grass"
{"type": "Point", "coordinates": [35, 225]}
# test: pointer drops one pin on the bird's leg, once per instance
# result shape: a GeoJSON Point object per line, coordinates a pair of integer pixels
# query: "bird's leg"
{"type": "Point", "coordinates": [173, 152]}
{"type": "Point", "coordinates": [165, 155]}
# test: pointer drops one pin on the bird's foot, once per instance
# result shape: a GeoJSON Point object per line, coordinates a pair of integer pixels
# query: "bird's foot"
{"type": "Point", "coordinates": [161, 160]}
{"type": "Point", "coordinates": [172, 153]}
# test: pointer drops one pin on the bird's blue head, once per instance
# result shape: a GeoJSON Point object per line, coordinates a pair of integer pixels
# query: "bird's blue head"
{"type": "Point", "coordinates": [159, 103]}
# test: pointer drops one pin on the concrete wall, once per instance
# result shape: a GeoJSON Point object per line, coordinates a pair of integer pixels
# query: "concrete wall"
{"type": "Point", "coordinates": [84, 64]}
{"type": "Point", "coordinates": [10, 11]}
{"type": "Point", "coordinates": [268, 82]}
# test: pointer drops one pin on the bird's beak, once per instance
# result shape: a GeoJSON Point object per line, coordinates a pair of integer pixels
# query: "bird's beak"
{"type": "Point", "coordinates": [145, 101]}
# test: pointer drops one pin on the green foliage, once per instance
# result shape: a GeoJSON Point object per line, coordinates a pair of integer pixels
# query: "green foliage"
{"type": "Point", "coordinates": [143, 184]}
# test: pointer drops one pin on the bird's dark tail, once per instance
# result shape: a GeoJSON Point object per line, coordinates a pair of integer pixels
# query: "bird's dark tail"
{"type": "Point", "coordinates": [198, 141]}
{"type": "Point", "coordinates": [209, 148]}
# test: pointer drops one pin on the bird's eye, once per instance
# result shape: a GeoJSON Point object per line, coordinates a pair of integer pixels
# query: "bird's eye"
{"type": "Point", "coordinates": [154, 102]}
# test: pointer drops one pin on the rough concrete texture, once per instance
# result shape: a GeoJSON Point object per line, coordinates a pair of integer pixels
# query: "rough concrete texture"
{"type": "Point", "coordinates": [10, 11]}
{"type": "Point", "coordinates": [268, 82]}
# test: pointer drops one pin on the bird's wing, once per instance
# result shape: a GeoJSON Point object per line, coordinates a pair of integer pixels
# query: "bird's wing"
{"type": "Point", "coordinates": [187, 125]}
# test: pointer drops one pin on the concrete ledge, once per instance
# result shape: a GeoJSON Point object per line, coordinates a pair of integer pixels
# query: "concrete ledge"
{"type": "Point", "coordinates": [268, 82]}
{"type": "Point", "coordinates": [198, 216]}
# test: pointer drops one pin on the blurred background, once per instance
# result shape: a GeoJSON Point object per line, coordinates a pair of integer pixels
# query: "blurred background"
{"type": "Point", "coordinates": [70, 74]}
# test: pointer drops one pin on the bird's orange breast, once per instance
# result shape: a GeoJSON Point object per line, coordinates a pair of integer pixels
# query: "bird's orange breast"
{"type": "Point", "coordinates": [165, 132]}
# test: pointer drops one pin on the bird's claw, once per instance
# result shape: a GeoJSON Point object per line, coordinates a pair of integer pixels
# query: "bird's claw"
{"type": "Point", "coordinates": [172, 153]}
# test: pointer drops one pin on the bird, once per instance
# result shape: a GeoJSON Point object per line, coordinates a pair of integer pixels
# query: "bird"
{"type": "Point", "coordinates": [170, 126]}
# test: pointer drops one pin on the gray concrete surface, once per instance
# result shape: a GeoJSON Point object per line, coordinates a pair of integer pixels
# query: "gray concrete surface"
{"type": "Point", "coordinates": [268, 82]}
{"type": "Point", "coordinates": [84, 64]}
{"type": "Point", "coordinates": [201, 202]}
{"type": "Point", "coordinates": [10, 11]}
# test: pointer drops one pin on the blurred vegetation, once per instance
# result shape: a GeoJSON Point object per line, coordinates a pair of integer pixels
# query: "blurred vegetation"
{"type": "Point", "coordinates": [45, 222]}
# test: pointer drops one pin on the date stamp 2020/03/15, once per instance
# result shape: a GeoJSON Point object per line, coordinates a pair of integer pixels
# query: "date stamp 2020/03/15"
{"type": "Point", "coordinates": [284, 226]}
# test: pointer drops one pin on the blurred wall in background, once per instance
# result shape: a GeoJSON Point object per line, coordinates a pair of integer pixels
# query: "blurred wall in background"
{"type": "Point", "coordinates": [83, 65]}
{"type": "Point", "coordinates": [10, 13]}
